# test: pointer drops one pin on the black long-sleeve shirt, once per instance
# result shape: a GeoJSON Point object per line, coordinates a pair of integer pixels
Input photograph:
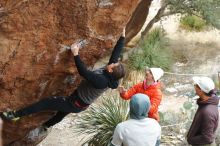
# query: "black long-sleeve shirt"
{"type": "Point", "coordinates": [97, 81]}
{"type": "Point", "coordinates": [92, 76]}
{"type": "Point", "coordinates": [117, 51]}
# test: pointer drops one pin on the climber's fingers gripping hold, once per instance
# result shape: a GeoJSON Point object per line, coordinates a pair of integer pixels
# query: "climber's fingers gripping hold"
{"type": "Point", "coordinates": [75, 49]}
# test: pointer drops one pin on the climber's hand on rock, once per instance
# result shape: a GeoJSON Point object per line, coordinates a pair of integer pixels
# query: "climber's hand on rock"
{"type": "Point", "coordinates": [75, 49]}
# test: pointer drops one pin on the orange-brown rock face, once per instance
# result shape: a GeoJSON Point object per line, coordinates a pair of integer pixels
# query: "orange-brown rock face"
{"type": "Point", "coordinates": [32, 64]}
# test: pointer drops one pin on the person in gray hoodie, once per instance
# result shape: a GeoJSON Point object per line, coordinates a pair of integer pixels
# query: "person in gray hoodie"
{"type": "Point", "coordinates": [205, 122]}
{"type": "Point", "coordinates": [94, 84]}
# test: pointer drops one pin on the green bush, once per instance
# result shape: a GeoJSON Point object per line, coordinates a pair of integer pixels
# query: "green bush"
{"type": "Point", "coordinates": [152, 52]}
{"type": "Point", "coordinates": [100, 120]}
{"type": "Point", "coordinates": [192, 23]}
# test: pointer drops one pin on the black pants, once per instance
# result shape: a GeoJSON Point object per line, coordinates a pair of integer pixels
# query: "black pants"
{"type": "Point", "coordinates": [64, 106]}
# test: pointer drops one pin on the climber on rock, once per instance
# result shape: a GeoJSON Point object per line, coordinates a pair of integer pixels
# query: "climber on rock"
{"type": "Point", "coordinates": [91, 87]}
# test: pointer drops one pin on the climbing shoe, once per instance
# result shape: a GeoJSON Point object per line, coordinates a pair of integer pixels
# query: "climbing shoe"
{"type": "Point", "coordinates": [9, 116]}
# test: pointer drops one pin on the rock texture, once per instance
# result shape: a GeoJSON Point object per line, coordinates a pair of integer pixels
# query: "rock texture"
{"type": "Point", "coordinates": [137, 20]}
{"type": "Point", "coordinates": [32, 64]}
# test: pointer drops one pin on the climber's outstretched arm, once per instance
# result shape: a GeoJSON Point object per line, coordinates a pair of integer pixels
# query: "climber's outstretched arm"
{"type": "Point", "coordinates": [90, 76]}
{"type": "Point", "coordinates": [117, 49]}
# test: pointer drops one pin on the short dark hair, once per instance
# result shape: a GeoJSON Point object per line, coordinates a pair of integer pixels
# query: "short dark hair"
{"type": "Point", "coordinates": [119, 71]}
{"type": "Point", "coordinates": [211, 92]}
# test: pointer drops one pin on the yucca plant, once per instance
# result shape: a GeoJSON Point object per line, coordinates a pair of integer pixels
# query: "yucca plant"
{"type": "Point", "coordinates": [152, 52]}
{"type": "Point", "coordinates": [100, 120]}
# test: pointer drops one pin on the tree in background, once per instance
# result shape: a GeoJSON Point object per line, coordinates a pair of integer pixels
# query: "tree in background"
{"type": "Point", "coordinates": [208, 10]}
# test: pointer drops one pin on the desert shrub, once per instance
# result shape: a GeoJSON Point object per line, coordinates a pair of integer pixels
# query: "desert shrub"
{"type": "Point", "coordinates": [192, 23]}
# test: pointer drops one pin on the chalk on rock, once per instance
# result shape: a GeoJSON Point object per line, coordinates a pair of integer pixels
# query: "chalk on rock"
{"type": "Point", "coordinates": [81, 43]}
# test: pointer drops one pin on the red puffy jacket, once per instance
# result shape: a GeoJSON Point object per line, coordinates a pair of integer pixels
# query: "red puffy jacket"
{"type": "Point", "coordinates": [154, 93]}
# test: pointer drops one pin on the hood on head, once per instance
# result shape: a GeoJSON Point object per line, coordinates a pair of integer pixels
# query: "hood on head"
{"type": "Point", "coordinates": [214, 100]}
{"type": "Point", "coordinates": [139, 106]}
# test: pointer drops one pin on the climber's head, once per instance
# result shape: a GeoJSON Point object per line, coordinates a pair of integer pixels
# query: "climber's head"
{"type": "Point", "coordinates": [116, 69]}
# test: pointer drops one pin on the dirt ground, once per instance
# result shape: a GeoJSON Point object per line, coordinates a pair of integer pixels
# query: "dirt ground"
{"type": "Point", "coordinates": [199, 53]}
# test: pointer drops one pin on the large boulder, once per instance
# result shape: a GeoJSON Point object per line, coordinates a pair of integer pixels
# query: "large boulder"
{"type": "Point", "coordinates": [137, 20]}
{"type": "Point", "coordinates": [33, 66]}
